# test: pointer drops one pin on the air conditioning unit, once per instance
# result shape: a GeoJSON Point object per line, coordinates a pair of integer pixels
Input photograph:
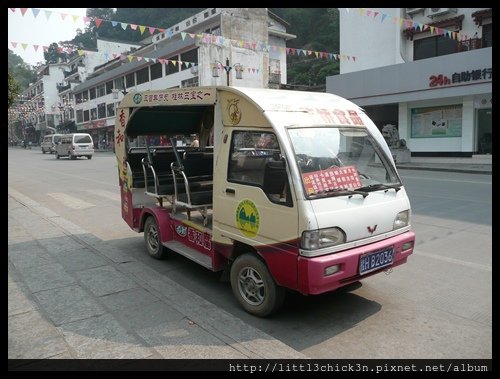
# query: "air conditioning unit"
{"type": "Point", "coordinates": [411, 11]}
{"type": "Point", "coordinates": [438, 11]}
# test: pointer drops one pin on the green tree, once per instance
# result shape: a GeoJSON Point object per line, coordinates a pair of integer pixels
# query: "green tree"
{"type": "Point", "coordinates": [14, 89]}
{"type": "Point", "coordinates": [21, 72]}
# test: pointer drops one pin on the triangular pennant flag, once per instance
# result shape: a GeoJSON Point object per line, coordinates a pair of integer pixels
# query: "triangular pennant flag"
{"type": "Point", "coordinates": [174, 62]}
{"type": "Point", "coordinates": [368, 13]}
{"type": "Point", "coordinates": [254, 45]}
{"type": "Point", "coordinates": [80, 52]}
{"type": "Point", "coordinates": [63, 15]}
{"type": "Point", "coordinates": [138, 59]}
{"type": "Point", "coordinates": [24, 46]}
{"type": "Point", "coordinates": [35, 11]}
{"type": "Point", "coordinates": [115, 55]}
{"type": "Point", "coordinates": [161, 30]}
{"type": "Point", "coordinates": [448, 33]}
{"type": "Point", "coordinates": [331, 55]}
{"type": "Point", "coordinates": [13, 9]}
{"type": "Point", "coordinates": [361, 11]}
{"type": "Point", "coordinates": [133, 26]}
{"type": "Point", "coordinates": [75, 18]}
{"type": "Point", "coordinates": [383, 18]}
{"type": "Point", "coordinates": [36, 47]}
{"type": "Point", "coordinates": [152, 30]}
{"type": "Point", "coordinates": [309, 52]}
{"type": "Point", "coordinates": [348, 58]}
{"type": "Point", "coordinates": [14, 44]}
{"type": "Point", "coordinates": [114, 23]}
{"type": "Point", "coordinates": [98, 22]}
{"type": "Point", "coordinates": [86, 19]}
{"type": "Point", "coordinates": [192, 35]}
{"type": "Point", "coordinates": [375, 14]}
{"type": "Point", "coordinates": [288, 50]}
{"type": "Point", "coordinates": [317, 54]}
{"type": "Point", "coordinates": [59, 50]}
{"type": "Point", "coordinates": [45, 48]}
{"type": "Point", "coordinates": [130, 57]}
{"type": "Point", "coordinates": [183, 35]}
{"type": "Point", "coordinates": [124, 25]}
{"type": "Point", "coordinates": [354, 59]}
{"type": "Point", "coordinates": [142, 28]}
{"type": "Point", "coordinates": [153, 60]}
{"type": "Point", "coordinates": [401, 22]}
{"type": "Point", "coordinates": [23, 11]}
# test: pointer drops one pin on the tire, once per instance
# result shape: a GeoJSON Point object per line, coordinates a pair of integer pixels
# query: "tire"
{"type": "Point", "coordinates": [254, 287]}
{"type": "Point", "coordinates": [72, 157]}
{"type": "Point", "coordinates": [89, 156]}
{"type": "Point", "coordinates": [43, 151]}
{"type": "Point", "coordinates": [57, 155]}
{"type": "Point", "coordinates": [152, 239]}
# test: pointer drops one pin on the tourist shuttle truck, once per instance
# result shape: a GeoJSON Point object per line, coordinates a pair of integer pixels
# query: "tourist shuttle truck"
{"type": "Point", "coordinates": [287, 190]}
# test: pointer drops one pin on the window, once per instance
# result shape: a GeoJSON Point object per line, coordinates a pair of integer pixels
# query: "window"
{"type": "Point", "coordinates": [86, 115]}
{"type": "Point", "coordinates": [487, 35]}
{"type": "Point", "coordinates": [255, 161]}
{"type": "Point", "coordinates": [93, 114]}
{"type": "Point", "coordinates": [78, 98]}
{"type": "Point", "coordinates": [119, 83]}
{"type": "Point", "coordinates": [130, 79]}
{"type": "Point", "coordinates": [170, 68]}
{"type": "Point", "coordinates": [101, 90]}
{"type": "Point", "coordinates": [189, 56]}
{"type": "Point", "coordinates": [156, 71]}
{"type": "Point", "coordinates": [191, 82]}
{"type": "Point", "coordinates": [101, 110]}
{"type": "Point", "coordinates": [433, 47]}
{"type": "Point", "coordinates": [143, 75]}
{"type": "Point", "coordinates": [92, 93]}
{"type": "Point", "coordinates": [79, 116]}
{"type": "Point", "coordinates": [109, 87]}
{"type": "Point", "coordinates": [111, 109]}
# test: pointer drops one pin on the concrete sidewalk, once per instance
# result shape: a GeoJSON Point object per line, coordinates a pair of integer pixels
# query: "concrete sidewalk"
{"type": "Point", "coordinates": [71, 295]}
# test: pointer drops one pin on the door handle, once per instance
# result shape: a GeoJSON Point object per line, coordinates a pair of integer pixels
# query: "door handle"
{"type": "Point", "coordinates": [230, 190]}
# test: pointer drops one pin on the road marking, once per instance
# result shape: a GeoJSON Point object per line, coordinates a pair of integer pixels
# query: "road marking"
{"type": "Point", "coordinates": [70, 201]}
{"type": "Point", "coordinates": [456, 261]}
{"type": "Point", "coordinates": [107, 194]}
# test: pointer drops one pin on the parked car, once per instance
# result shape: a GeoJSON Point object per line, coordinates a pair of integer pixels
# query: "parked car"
{"type": "Point", "coordinates": [75, 145]}
{"type": "Point", "coordinates": [49, 143]}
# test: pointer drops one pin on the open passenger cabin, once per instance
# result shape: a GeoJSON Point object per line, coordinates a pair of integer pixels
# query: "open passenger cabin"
{"type": "Point", "coordinates": [158, 160]}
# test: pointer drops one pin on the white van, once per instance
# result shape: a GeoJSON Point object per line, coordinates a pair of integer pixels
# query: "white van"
{"type": "Point", "coordinates": [49, 143]}
{"type": "Point", "coordinates": [75, 145]}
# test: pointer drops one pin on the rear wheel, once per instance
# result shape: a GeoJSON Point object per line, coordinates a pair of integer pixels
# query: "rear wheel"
{"type": "Point", "coordinates": [57, 155]}
{"type": "Point", "coordinates": [89, 156]}
{"type": "Point", "coordinates": [152, 239]}
{"type": "Point", "coordinates": [254, 286]}
{"type": "Point", "coordinates": [43, 151]}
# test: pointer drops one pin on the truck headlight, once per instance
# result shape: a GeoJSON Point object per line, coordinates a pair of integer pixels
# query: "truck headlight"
{"type": "Point", "coordinates": [401, 220]}
{"type": "Point", "coordinates": [318, 239]}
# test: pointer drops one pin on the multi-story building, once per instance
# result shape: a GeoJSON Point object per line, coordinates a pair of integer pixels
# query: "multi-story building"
{"type": "Point", "coordinates": [218, 46]}
{"type": "Point", "coordinates": [426, 70]}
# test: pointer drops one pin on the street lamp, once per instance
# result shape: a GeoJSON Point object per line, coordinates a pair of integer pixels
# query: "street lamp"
{"type": "Point", "coordinates": [237, 67]}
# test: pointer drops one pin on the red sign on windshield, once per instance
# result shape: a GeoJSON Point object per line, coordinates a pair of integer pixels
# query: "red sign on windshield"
{"type": "Point", "coordinates": [332, 178]}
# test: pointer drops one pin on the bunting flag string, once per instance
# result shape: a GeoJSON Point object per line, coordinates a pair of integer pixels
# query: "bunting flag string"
{"type": "Point", "coordinates": [122, 56]}
{"type": "Point", "coordinates": [204, 37]}
{"type": "Point", "coordinates": [409, 23]}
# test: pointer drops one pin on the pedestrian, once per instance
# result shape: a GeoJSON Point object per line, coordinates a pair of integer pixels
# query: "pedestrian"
{"type": "Point", "coordinates": [195, 142]}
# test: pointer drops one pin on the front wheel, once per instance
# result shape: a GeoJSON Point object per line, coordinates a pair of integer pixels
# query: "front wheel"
{"type": "Point", "coordinates": [254, 286]}
{"type": "Point", "coordinates": [152, 239]}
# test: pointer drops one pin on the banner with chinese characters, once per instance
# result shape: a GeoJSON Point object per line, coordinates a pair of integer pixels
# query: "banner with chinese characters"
{"type": "Point", "coordinates": [332, 178]}
{"type": "Point", "coordinates": [444, 121]}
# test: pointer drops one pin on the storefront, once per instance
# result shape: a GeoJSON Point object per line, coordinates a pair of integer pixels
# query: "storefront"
{"type": "Point", "coordinates": [441, 106]}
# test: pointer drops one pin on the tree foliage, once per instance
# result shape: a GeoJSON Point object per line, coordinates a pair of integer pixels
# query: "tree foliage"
{"type": "Point", "coordinates": [14, 89]}
{"type": "Point", "coordinates": [19, 71]}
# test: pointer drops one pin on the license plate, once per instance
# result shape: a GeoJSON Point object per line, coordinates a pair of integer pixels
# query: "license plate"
{"type": "Point", "coordinates": [373, 261]}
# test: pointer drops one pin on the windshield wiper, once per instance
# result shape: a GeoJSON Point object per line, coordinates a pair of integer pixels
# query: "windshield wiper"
{"type": "Point", "coordinates": [342, 191]}
{"type": "Point", "coordinates": [376, 187]}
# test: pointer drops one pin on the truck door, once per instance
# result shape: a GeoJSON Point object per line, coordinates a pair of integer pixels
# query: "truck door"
{"type": "Point", "coordinates": [253, 202]}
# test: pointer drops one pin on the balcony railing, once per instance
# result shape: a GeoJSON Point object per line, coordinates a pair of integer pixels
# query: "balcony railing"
{"type": "Point", "coordinates": [62, 88]}
{"type": "Point", "coordinates": [469, 44]}
{"type": "Point", "coordinates": [69, 73]}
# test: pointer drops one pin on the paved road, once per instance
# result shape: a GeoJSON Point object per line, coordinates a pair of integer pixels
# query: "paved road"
{"type": "Point", "coordinates": [436, 306]}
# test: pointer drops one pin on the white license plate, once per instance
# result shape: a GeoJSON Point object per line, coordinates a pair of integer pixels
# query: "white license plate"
{"type": "Point", "coordinates": [375, 260]}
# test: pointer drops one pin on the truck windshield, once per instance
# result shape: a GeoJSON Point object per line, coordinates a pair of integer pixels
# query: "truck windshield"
{"type": "Point", "coordinates": [336, 161]}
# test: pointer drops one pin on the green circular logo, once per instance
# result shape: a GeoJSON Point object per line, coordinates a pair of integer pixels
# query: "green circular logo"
{"type": "Point", "coordinates": [137, 98]}
{"type": "Point", "coordinates": [247, 218]}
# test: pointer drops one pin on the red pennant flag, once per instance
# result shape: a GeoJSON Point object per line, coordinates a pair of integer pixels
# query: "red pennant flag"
{"type": "Point", "coordinates": [86, 19]}
{"type": "Point", "coordinates": [23, 10]}
{"type": "Point", "coordinates": [59, 50]}
{"type": "Point", "coordinates": [133, 26]}
{"type": "Point", "coordinates": [98, 22]}
{"type": "Point", "coordinates": [63, 15]}
{"type": "Point", "coordinates": [45, 48]}
{"type": "Point", "coordinates": [36, 47]}
{"type": "Point", "coordinates": [14, 44]}
{"type": "Point", "coordinates": [13, 9]}
{"type": "Point", "coordinates": [161, 30]}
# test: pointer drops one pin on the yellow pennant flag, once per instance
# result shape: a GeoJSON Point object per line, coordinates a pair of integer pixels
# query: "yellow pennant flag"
{"type": "Point", "coordinates": [130, 57]}
{"type": "Point", "coordinates": [142, 28]}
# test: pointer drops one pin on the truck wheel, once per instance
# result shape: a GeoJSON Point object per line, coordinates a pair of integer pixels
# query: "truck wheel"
{"type": "Point", "coordinates": [254, 286]}
{"type": "Point", "coordinates": [152, 239]}
{"type": "Point", "coordinates": [57, 156]}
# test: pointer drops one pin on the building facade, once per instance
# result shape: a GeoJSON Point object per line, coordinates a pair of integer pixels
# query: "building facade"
{"type": "Point", "coordinates": [218, 46]}
{"type": "Point", "coordinates": [413, 72]}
